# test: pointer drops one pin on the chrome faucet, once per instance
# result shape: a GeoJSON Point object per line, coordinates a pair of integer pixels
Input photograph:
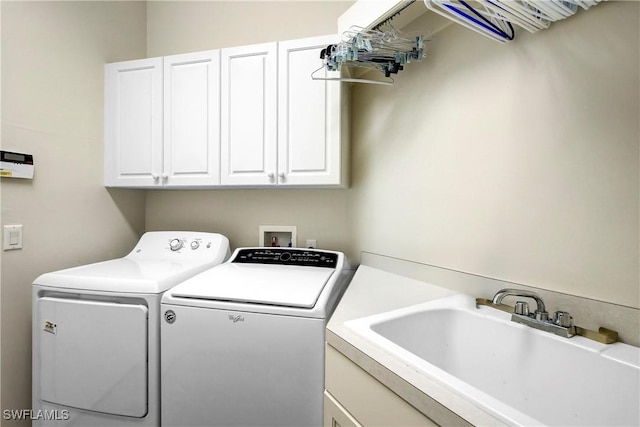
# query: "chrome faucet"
{"type": "Point", "coordinates": [522, 307]}
{"type": "Point", "coordinates": [561, 324]}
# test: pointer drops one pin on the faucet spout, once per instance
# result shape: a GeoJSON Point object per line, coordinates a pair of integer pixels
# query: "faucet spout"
{"type": "Point", "coordinates": [561, 324]}
{"type": "Point", "coordinates": [503, 293]}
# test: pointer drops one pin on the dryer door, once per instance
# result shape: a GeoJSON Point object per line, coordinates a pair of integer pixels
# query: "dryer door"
{"type": "Point", "coordinates": [93, 355]}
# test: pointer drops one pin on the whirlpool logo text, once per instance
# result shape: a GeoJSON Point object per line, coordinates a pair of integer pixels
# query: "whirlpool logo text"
{"type": "Point", "coordinates": [235, 318]}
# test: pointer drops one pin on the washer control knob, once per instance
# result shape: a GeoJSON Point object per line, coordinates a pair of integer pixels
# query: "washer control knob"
{"type": "Point", "coordinates": [195, 245]}
{"type": "Point", "coordinates": [176, 244]}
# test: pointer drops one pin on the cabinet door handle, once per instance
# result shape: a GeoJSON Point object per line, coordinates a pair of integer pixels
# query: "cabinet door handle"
{"type": "Point", "coordinates": [270, 175]}
{"type": "Point", "coordinates": [165, 176]}
{"type": "Point", "coordinates": [155, 176]}
{"type": "Point", "coordinates": [282, 175]}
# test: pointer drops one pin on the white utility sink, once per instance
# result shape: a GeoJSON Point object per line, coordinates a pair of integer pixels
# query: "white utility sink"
{"type": "Point", "coordinates": [518, 374]}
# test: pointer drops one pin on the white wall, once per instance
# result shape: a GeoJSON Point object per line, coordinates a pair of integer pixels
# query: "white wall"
{"type": "Point", "coordinates": [516, 162]}
{"type": "Point", "coordinates": [177, 27]}
{"type": "Point", "coordinates": [53, 54]}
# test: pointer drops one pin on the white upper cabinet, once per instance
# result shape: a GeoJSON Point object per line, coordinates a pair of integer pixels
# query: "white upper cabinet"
{"type": "Point", "coordinates": [249, 114]}
{"type": "Point", "coordinates": [246, 116]}
{"type": "Point", "coordinates": [279, 126]}
{"type": "Point", "coordinates": [309, 119]}
{"type": "Point", "coordinates": [191, 119]}
{"type": "Point", "coordinates": [133, 123]}
{"type": "Point", "coordinates": [162, 121]}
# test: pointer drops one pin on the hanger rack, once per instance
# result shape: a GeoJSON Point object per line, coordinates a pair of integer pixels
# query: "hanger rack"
{"type": "Point", "coordinates": [388, 50]}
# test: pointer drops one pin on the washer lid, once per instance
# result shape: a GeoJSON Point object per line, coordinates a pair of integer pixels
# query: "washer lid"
{"type": "Point", "coordinates": [289, 286]}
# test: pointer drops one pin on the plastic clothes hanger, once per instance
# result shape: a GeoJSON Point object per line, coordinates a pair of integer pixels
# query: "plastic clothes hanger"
{"type": "Point", "coordinates": [586, 4]}
{"type": "Point", "coordinates": [519, 13]}
{"type": "Point", "coordinates": [529, 11]}
{"type": "Point", "coordinates": [548, 8]}
{"type": "Point", "coordinates": [497, 7]}
{"type": "Point", "coordinates": [456, 12]}
{"type": "Point", "coordinates": [567, 8]}
{"type": "Point", "coordinates": [494, 21]}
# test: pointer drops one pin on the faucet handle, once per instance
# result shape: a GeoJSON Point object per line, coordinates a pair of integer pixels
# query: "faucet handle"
{"type": "Point", "coordinates": [542, 316]}
{"type": "Point", "coordinates": [562, 318]}
{"type": "Point", "coordinates": [521, 308]}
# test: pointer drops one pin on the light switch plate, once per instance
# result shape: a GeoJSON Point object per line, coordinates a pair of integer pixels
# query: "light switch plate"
{"type": "Point", "coordinates": [12, 237]}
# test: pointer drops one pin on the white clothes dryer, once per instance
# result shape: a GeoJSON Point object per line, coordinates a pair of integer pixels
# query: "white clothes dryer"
{"type": "Point", "coordinates": [243, 343]}
{"type": "Point", "coordinates": [96, 331]}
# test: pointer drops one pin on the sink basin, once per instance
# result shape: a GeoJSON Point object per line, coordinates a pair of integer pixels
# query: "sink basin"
{"type": "Point", "coordinates": [517, 374]}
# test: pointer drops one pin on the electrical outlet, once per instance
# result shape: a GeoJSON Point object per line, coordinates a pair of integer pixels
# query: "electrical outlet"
{"type": "Point", "coordinates": [311, 243]}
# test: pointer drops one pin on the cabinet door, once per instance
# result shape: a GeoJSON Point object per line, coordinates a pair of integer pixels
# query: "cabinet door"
{"type": "Point", "coordinates": [191, 119]}
{"type": "Point", "coordinates": [308, 116]}
{"type": "Point", "coordinates": [335, 415]}
{"type": "Point", "coordinates": [133, 123]}
{"type": "Point", "coordinates": [248, 116]}
{"type": "Point", "coordinates": [364, 398]}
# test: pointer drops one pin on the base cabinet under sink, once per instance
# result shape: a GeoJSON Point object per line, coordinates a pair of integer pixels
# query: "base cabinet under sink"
{"type": "Point", "coordinates": [335, 415]}
{"type": "Point", "coordinates": [353, 398]}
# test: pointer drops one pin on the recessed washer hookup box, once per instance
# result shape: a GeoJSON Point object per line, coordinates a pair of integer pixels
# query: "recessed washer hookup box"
{"type": "Point", "coordinates": [16, 165]}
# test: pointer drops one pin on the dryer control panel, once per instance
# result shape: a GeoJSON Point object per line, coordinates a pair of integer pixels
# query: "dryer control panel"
{"type": "Point", "coordinates": [173, 246]}
{"type": "Point", "coordinates": [282, 256]}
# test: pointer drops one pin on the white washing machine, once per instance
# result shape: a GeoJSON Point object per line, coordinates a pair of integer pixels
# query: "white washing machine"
{"type": "Point", "coordinates": [96, 331]}
{"type": "Point", "coordinates": [243, 343]}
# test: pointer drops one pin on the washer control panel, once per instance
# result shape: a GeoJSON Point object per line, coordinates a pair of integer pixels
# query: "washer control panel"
{"type": "Point", "coordinates": [282, 256]}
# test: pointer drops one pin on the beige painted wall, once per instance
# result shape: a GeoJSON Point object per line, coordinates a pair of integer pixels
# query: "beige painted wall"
{"type": "Point", "coordinates": [176, 27]}
{"type": "Point", "coordinates": [188, 26]}
{"type": "Point", "coordinates": [53, 54]}
{"type": "Point", "coordinates": [515, 162]}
